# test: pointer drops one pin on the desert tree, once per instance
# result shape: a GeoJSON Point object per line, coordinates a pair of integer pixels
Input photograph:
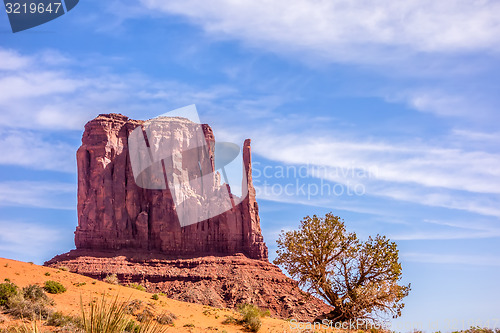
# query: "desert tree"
{"type": "Point", "coordinates": [360, 279]}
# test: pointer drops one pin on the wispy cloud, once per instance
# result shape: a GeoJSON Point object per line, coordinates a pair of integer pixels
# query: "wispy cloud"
{"type": "Point", "coordinates": [450, 259]}
{"type": "Point", "coordinates": [32, 150]}
{"type": "Point", "coordinates": [41, 194]}
{"type": "Point", "coordinates": [29, 241]}
{"type": "Point", "coordinates": [348, 31]}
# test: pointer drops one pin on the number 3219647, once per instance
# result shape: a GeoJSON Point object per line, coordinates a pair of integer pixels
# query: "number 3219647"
{"type": "Point", "coordinates": [32, 8]}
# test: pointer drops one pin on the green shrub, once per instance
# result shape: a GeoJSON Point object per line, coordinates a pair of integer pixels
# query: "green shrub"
{"type": "Point", "coordinates": [47, 274]}
{"type": "Point", "coordinates": [54, 287]}
{"type": "Point", "coordinates": [155, 297]}
{"type": "Point", "coordinates": [137, 286]}
{"type": "Point", "coordinates": [251, 316]}
{"type": "Point", "coordinates": [7, 290]}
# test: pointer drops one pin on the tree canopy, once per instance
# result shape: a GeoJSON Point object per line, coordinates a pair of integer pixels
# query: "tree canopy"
{"type": "Point", "coordinates": [360, 279]}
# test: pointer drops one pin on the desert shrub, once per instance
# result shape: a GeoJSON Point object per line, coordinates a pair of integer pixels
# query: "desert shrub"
{"type": "Point", "coordinates": [111, 317]}
{"type": "Point", "coordinates": [166, 318]}
{"type": "Point", "coordinates": [54, 287]}
{"type": "Point", "coordinates": [155, 297]}
{"type": "Point", "coordinates": [47, 274]}
{"type": "Point", "coordinates": [230, 320]}
{"type": "Point", "coordinates": [251, 315]}
{"type": "Point", "coordinates": [111, 279]}
{"type": "Point", "coordinates": [33, 328]}
{"type": "Point", "coordinates": [132, 327]}
{"type": "Point", "coordinates": [7, 290]}
{"type": "Point", "coordinates": [104, 316]}
{"type": "Point", "coordinates": [20, 307]}
{"type": "Point", "coordinates": [145, 315]}
{"type": "Point", "coordinates": [58, 319]}
{"type": "Point", "coordinates": [137, 286]}
{"type": "Point", "coordinates": [35, 293]}
{"type": "Point", "coordinates": [133, 306]}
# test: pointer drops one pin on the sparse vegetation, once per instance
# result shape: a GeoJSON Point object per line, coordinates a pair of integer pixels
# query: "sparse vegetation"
{"type": "Point", "coordinates": [166, 318]}
{"type": "Point", "coordinates": [111, 279]}
{"type": "Point", "coordinates": [137, 286]}
{"type": "Point", "coordinates": [111, 317]}
{"type": "Point", "coordinates": [155, 297]}
{"type": "Point", "coordinates": [58, 319]}
{"type": "Point", "coordinates": [54, 287]}
{"type": "Point", "coordinates": [31, 302]}
{"type": "Point", "coordinates": [250, 317]}
{"type": "Point", "coordinates": [7, 290]}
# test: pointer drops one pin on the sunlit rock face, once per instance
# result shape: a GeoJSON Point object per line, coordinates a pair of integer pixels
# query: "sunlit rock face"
{"type": "Point", "coordinates": [114, 213]}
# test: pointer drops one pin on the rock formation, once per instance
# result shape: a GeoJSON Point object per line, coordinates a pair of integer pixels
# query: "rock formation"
{"type": "Point", "coordinates": [135, 232]}
{"type": "Point", "coordinates": [114, 213]}
{"type": "Point", "coordinates": [216, 281]}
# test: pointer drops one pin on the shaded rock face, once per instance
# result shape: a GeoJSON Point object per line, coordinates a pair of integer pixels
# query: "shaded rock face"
{"type": "Point", "coordinates": [116, 214]}
{"type": "Point", "coordinates": [216, 281]}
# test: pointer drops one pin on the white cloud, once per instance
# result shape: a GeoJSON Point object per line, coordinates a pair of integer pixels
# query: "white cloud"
{"type": "Point", "coordinates": [52, 195]}
{"type": "Point", "coordinates": [28, 241]}
{"type": "Point", "coordinates": [417, 163]}
{"type": "Point", "coordinates": [348, 30]}
{"type": "Point", "coordinates": [31, 150]}
{"type": "Point", "coordinates": [12, 60]}
{"type": "Point", "coordinates": [439, 258]}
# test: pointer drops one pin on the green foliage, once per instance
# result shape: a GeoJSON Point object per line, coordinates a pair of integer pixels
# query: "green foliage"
{"type": "Point", "coordinates": [251, 315]}
{"type": "Point", "coordinates": [7, 290]}
{"type": "Point", "coordinates": [137, 286]}
{"type": "Point", "coordinates": [357, 278]}
{"type": "Point", "coordinates": [104, 316]}
{"type": "Point", "coordinates": [47, 274]}
{"type": "Point", "coordinates": [54, 287]}
{"type": "Point", "coordinates": [155, 297]}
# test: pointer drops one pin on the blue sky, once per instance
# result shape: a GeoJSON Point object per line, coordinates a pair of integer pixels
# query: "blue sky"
{"type": "Point", "coordinates": [395, 105]}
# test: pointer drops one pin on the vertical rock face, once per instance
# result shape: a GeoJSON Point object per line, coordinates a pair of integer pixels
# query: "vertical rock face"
{"type": "Point", "coordinates": [116, 214]}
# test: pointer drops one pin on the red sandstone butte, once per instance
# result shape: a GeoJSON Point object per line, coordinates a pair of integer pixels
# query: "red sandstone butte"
{"type": "Point", "coordinates": [134, 233]}
{"type": "Point", "coordinates": [114, 213]}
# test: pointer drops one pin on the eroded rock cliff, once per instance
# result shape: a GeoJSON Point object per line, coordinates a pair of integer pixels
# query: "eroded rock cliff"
{"type": "Point", "coordinates": [114, 213]}
{"type": "Point", "coordinates": [135, 232]}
